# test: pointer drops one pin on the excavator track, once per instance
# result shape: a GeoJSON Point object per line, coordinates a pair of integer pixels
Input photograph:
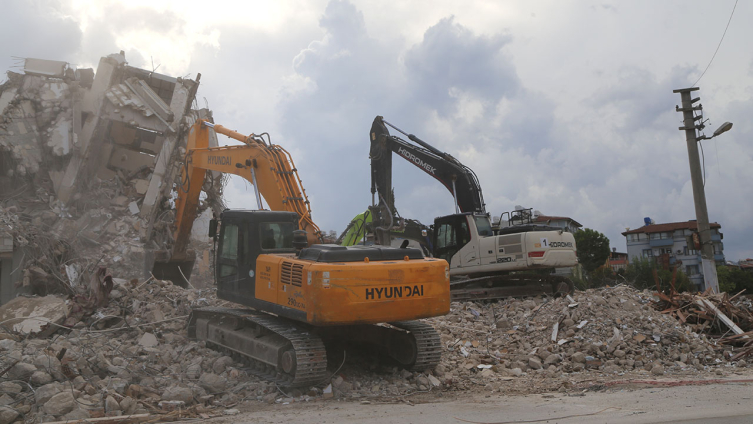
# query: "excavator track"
{"type": "Point", "coordinates": [427, 341]}
{"type": "Point", "coordinates": [414, 345]}
{"type": "Point", "coordinates": [512, 285]}
{"type": "Point", "coordinates": [276, 349]}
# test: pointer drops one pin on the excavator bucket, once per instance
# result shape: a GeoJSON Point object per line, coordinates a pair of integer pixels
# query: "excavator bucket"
{"type": "Point", "coordinates": [176, 271]}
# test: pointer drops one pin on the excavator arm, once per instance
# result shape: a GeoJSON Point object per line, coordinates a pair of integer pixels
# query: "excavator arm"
{"type": "Point", "coordinates": [267, 166]}
{"type": "Point", "coordinates": [460, 180]}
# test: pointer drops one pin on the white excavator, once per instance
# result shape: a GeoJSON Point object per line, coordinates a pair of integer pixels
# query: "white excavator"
{"type": "Point", "coordinates": [512, 258]}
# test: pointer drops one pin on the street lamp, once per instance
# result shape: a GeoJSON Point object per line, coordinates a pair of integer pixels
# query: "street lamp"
{"type": "Point", "coordinates": [696, 178]}
{"type": "Point", "coordinates": [722, 129]}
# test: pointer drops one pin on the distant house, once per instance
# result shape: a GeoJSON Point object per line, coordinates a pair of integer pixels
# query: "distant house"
{"type": "Point", "coordinates": [568, 224]}
{"type": "Point", "coordinates": [668, 244]}
{"type": "Point", "coordinates": [617, 260]}
{"type": "Point", "coordinates": [746, 265]}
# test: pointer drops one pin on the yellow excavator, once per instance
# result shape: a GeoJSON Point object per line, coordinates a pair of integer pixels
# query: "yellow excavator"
{"type": "Point", "coordinates": [300, 295]}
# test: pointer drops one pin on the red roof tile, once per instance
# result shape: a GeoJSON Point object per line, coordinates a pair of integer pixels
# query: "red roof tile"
{"type": "Point", "coordinates": [670, 226]}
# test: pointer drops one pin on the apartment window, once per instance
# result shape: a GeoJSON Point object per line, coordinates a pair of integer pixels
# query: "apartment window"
{"type": "Point", "coordinates": [636, 237]}
{"type": "Point", "coordinates": [691, 270]}
{"type": "Point", "coordinates": [648, 253]}
{"type": "Point", "coordinates": [717, 249]}
{"type": "Point", "coordinates": [659, 236]}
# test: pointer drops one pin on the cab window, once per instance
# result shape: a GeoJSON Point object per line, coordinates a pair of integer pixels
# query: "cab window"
{"type": "Point", "coordinates": [465, 235]}
{"type": "Point", "coordinates": [276, 235]}
{"type": "Point", "coordinates": [445, 235]}
{"type": "Point", "coordinates": [229, 253]}
{"type": "Point", "coordinates": [483, 226]}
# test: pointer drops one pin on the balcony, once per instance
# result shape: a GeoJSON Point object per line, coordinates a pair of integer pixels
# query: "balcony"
{"type": "Point", "coordinates": [661, 242]}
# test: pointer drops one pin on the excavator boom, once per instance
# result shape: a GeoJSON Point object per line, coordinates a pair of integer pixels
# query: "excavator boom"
{"type": "Point", "coordinates": [457, 178]}
{"type": "Point", "coordinates": [268, 167]}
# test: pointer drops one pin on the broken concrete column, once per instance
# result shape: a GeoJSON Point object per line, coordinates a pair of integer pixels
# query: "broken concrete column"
{"type": "Point", "coordinates": [182, 97]}
{"type": "Point", "coordinates": [91, 103]}
{"type": "Point", "coordinates": [10, 267]}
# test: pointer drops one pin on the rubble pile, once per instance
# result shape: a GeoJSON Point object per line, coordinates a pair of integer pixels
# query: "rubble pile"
{"type": "Point", "coordinates": [130, 357]}
{"type": "Point", "coordinates": [60, 252]}
{"type": "Point", "coordinates": [609, 331]}
{"type": "Point", "coordinates": [729, 317]}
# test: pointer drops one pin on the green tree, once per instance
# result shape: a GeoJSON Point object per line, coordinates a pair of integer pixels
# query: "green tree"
{"type": "Point", "coordinates": [733, 279]}
{"type": "Point", "coordinates": [640, 273]}
{"type": "Point", "coordinates": [593, 248]}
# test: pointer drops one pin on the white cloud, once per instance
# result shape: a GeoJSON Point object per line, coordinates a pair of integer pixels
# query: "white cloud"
{"type": "Point", "coordinates": [564, 107]}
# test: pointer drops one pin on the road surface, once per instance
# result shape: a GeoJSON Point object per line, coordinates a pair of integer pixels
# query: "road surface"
{"type": "Point", "coordinates": [718, 403]}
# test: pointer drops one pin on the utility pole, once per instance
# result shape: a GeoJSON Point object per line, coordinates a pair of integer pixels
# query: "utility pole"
{"type": "Point", "coordinates": [696, 178]}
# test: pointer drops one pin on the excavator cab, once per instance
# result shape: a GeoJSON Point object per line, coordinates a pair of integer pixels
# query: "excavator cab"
{"type": "Point", "coordinates": [243, 236]}
{"type": "Point", "coordinates": [451, 233]}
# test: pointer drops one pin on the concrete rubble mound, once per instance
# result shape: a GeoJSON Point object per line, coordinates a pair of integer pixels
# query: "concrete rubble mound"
{"type": "Point", "coordinates": [131, 357]}
{"type": "Point", "coordinates": [610, 331]}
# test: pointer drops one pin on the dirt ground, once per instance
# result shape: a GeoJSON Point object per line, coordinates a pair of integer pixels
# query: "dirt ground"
{"type": "Point", "coordinates": [726, 400]}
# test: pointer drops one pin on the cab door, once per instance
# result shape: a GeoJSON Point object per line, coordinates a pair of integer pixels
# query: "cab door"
{"type": "Point", "coordinates": [236, 264]}
{"type": "Point", "coordinates": [228, 254]}
{"type": "Point", "coordinates": [451, 233]}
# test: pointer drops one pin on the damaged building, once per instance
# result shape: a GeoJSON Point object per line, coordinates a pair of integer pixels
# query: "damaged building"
{"type": "Point", "coordinates": [87, 164]}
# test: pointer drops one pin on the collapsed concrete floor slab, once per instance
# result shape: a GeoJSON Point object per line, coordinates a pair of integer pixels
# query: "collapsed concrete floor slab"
{"type": "Point", "coordinates": [37, 316]}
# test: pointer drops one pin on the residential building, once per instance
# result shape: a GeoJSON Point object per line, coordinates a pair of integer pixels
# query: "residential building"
{"type": "Point", "coordinates": [668, 244]}
{"type": "Point", "coordinates": [617, 260]}
{"type": "Point", "coordinates": [746, 265]}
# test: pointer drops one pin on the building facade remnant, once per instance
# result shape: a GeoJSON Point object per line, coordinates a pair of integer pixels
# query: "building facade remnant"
{"type": "Point", "coordinates": [87, 162]}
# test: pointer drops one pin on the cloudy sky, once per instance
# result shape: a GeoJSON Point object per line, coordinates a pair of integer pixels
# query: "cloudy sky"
{"type": "Point", "coordinates": [566, 107]}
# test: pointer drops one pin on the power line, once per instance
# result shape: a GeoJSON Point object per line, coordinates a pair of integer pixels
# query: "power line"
{"type": "Point", "coordinates": [720, 44]}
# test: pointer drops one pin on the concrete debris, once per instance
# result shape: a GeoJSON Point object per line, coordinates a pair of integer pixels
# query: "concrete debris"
{"type": "Point", "coordinates": [60, 404]}
{"type": "Point", "coordinates": [34, 315]}
{"type": "Point", "coordinates": [48, 68]}
{"type": "Point", "coordinates": [148, 340]}
{"type": "Point", "coordinates": [8, 415]}
{"type": "Point", "coordinates": [611, 331]}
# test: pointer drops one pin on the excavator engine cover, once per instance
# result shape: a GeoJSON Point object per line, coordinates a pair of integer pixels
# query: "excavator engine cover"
{"type": "Point", "coordinates": [334, 253]}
